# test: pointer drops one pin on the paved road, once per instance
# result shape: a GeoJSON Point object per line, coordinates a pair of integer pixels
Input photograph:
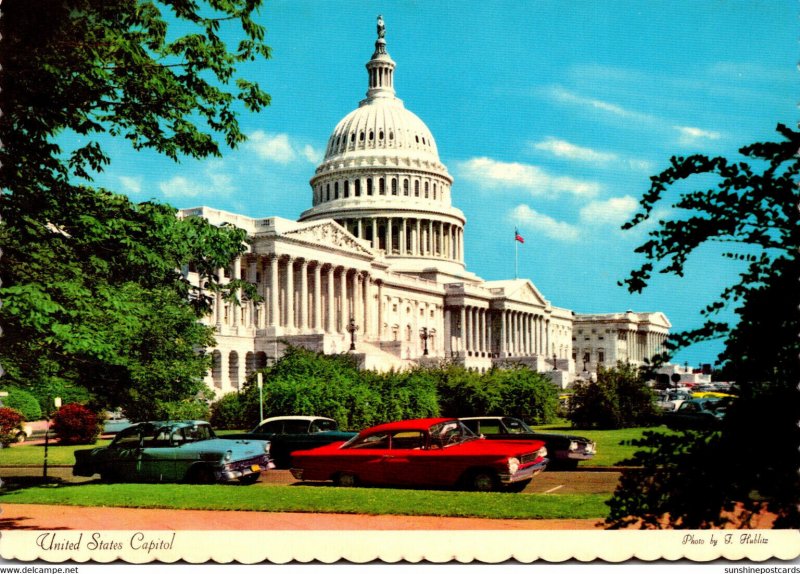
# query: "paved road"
{"type": "Point", "coordinates": [552, 482]}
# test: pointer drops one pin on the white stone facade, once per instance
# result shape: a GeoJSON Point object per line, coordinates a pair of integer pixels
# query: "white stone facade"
{"type": "Point", "coordinates": [381, 248]}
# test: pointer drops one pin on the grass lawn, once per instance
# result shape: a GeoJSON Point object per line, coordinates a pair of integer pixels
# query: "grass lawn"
{"type": "Point", "coordinates": [323, 499]}
{"type": "Point", "coordinates": [613, 446]}
{"type": "Point", "coordinates": [33, 454]}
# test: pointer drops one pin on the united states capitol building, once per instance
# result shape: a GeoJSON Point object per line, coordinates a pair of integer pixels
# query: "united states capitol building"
{"type": "Point", "coordinates": [377, 263]}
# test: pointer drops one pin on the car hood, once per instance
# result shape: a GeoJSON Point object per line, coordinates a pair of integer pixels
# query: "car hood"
{"type": "Point", "coordinates": [551, 436]}
{"type": "Point", "coordinates": [239, 448]}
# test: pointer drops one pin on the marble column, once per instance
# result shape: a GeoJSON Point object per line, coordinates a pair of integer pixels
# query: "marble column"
{"type": "Point", "coordinates": [289, 301]}
{"type": "Point", "coordinates": [317, 315]}
{"type": "Point", "coordinates": [304, 294]}
{"type": "Point", "coordinates": [274, 289]}
{"type": "Point", "coordinates": [331, 302]}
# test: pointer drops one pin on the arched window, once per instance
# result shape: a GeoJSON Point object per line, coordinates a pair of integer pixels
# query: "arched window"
{"type": "Point", "coordinates": [382, 186]}
{"type": "Point", "coordinates": [369, 186]}
{"type": "Point", "coordinates": [405, 187]}
{"type": "Point", "coordinates": [233, 369]}
{"type": "Point", "coordinates": [380, 135]}
{"type": "Point", "coordinates": [416, 188]}
{"type": "Point", "coordinates": [346, 188]}
{"type": "Point", "coordinates": [357, 188]}
{"type": "Point", "coordinates": [394, 186]}
{"type": "Point", "coordinates": [328, 192]}
{"type": "Point", "coordinates": [216, 369]}
{"type": "Point", "coordinates": [361, 136]}
{"type": "Point", "coordinates": [353, 137]}
{"type": "Point", "coordinates": [426, 190]}
{"type": "Point", "coordinates": [391, 135]}
{"type": "Point", "coordinates": [434, 191]}
{"type": "Point", "coordinates": [371, 136]}
{"type": "Point", "coordinates": [336, 190]}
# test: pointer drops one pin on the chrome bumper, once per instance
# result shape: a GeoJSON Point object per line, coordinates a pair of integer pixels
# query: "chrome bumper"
{"type": "Point", "coordinates": [524, 473]}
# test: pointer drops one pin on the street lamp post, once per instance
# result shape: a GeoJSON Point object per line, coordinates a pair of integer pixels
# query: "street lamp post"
{"type": "Point", "coordinates": [352, 328]}
{"type": "Point", "coordinates": [555, 364]}
{"type": "Point", "coordinates": [424, 335]}
{"type": "Point", "coordinates": [57, 403]}
{"type": "Point", "coordinates": [260, 379]}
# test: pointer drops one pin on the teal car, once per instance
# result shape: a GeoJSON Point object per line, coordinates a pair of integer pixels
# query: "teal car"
{"type": "Point", "coordinates": [175, 451]}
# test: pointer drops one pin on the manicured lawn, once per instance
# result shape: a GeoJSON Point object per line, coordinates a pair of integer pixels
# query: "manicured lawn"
{"type": "Point", "coordinates": [323, 499]}
{"type": "Point", "coordinates": [613, 446]}
{"type": "Point", "coordinates": [33, 454]}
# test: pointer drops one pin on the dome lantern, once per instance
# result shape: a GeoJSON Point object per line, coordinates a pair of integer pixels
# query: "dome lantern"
{"type": "Point", "coordinates": [380, 68]}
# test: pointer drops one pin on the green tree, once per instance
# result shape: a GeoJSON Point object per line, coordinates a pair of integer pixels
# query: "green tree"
{"type": "Point", "coordinates": [93, 297]}
{"type": "Point", "coordinates": [524, 393]}
{"type": "Point", "coordinates": [751, 464]}
{"type": "Point", "coordinates": [618, 399]}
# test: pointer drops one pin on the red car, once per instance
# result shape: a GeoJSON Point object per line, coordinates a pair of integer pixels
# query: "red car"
{"type": "Point", "coordinates": [423, 452]}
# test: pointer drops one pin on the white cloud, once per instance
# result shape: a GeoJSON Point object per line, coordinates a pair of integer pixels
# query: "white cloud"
{"type": "Point", "coordinates": [529, 219]}
{"type": "Point", "coordinates": [493, 174]}
{"type": "Point", "coordinates": [131, 185]}
{"type": "Point", "coordinates": [281, 148]}
{"type": "Point", "coordinates": [214, 183]}
{"type": "Point", "coordinates": [614, 211]}
{"type": "Point", "coordinates": [690, 135]}
{"type": "Point", "coordinates": [565, 96]}
{"type": "Point", "coordinates": [567, 150]}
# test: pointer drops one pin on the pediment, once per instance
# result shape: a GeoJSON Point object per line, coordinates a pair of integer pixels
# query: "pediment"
{"type": "Point", "coordinates": [529, 294]}
{"type": "Point", "coordinates": [328, 234]}
{"type": "Point", "coordinates": [519, 290]}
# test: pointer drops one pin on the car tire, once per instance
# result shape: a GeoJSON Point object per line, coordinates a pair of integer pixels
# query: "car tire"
{"type": "Point", "coordinates": [250, 478]}
{"type": "Point", "coordinates": [109, 476]}
{"type": "Point", "coordinates": [201, 475]}
{"type": "Point", "coordinates": [483, 481]}
{"type": "Point", "coordinates": [346, 480]}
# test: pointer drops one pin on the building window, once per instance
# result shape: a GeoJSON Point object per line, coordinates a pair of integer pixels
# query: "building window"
{"type": "Point", "coordinates": [336, 190]}
{"type": "Point", "coordinates": [361, 136]}
{"type": "Point", "coordinates": [382, 186]}
{"type": "Point", "coordinates": [405, 187]}
{"type": "Point", "coordinates": [601, 357]}
{"type": "Point", "coordinates": [426, 190]}
{"type": "Point", "coordinates": [394, 186]}
{"type": "Point", "coordinates": [371, 136]}
{"type": "Point", "coordinates": [416, 188]}
{"type": "Point", "coordinates": [434, 191]}
{"type": "Point", "coordinates": [358, 187]}
{"type": "Point", "coordinates": [353, 137]}
{"type": "Point", "coordinates": [380, 135]}
{"type": "Point", "coordinates": [346, 188]}
{"type": "Point", "coordinates": [369, 187]}
{"type": "Point", "coordinates": [328, 192]}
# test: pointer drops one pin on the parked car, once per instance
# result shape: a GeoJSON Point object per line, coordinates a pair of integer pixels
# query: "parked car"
{"type": "Point", "coordinates": [671, 399]}
{"type": "Point", "coordinates": [290, 433]}
{"type": "Point", "coordinates": [28, 430]}
{"type": "Point", "coordinates": [699, 414]}
{"type": "Point", "coordinates": [174, 451]}
{"type": "Point", "coordinates": [114, 423]}
{"type": "Point", "coordinates": [437, 452]}
{"type": "Point", "coordinates": [563, 450]}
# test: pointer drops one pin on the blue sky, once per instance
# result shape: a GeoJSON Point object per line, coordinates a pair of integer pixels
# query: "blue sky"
{"type": "Point", "coordinates": [551, 117]}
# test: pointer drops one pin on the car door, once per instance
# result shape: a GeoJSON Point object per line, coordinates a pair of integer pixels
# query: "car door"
{"type": "Point", "coordinates": [121, 459]}
{"type": "Point", "coordinates": [406, 461]}
{"type": "Point", "coordinates": [157, 457]}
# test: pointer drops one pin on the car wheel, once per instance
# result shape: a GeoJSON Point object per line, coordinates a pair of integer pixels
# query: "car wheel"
{"type": "Point", "coordinates": [201, 475]}
{"type": "Point", "coordinates": [483, 481]}
{"type": "Point", "coordinates": [346, 479]}
{"type": "Point", "coordinates": [109, 476]}
{"type": "Point", "coordinates": [250, 478]}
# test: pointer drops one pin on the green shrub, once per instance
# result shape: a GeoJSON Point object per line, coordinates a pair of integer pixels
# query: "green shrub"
{"type": "Point", "coordinates": [524, 394]}
{"type": "Point", "coordinates": [619, 399]}
{"type": "Point", "coordinates": [76, 424]}
{"type": "Point", "coordinates": [24, 402]}
{"type": "Point", "coordinates": [229, 413]}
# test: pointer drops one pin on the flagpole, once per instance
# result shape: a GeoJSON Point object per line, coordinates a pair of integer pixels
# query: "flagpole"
{"type": "Point", "coordinates": [516, 260]}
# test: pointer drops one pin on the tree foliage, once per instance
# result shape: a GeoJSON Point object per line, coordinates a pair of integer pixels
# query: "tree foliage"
{"type": "Point", "coordinates": [751, 464]}
{"type": "Point", "coordinates": [76, 424]}
{"type": "Point", "coordinates": [618, 399]}
{"type": "Point", "coordinates": [24, 402]}
{"type": "Point", "coordinates": [94, 304]}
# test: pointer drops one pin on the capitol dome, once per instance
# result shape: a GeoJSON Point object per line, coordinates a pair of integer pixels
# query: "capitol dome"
{"type": "Point", "coordinates": [381, 178]}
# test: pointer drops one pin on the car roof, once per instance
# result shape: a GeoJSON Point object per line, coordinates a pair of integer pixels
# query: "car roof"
{"type": "Point", "coordinates": [295, 418]}
{"type": "Point", "coordinates": [486, 418]}
{"type": "Point", "coordinates": [411, 424]}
